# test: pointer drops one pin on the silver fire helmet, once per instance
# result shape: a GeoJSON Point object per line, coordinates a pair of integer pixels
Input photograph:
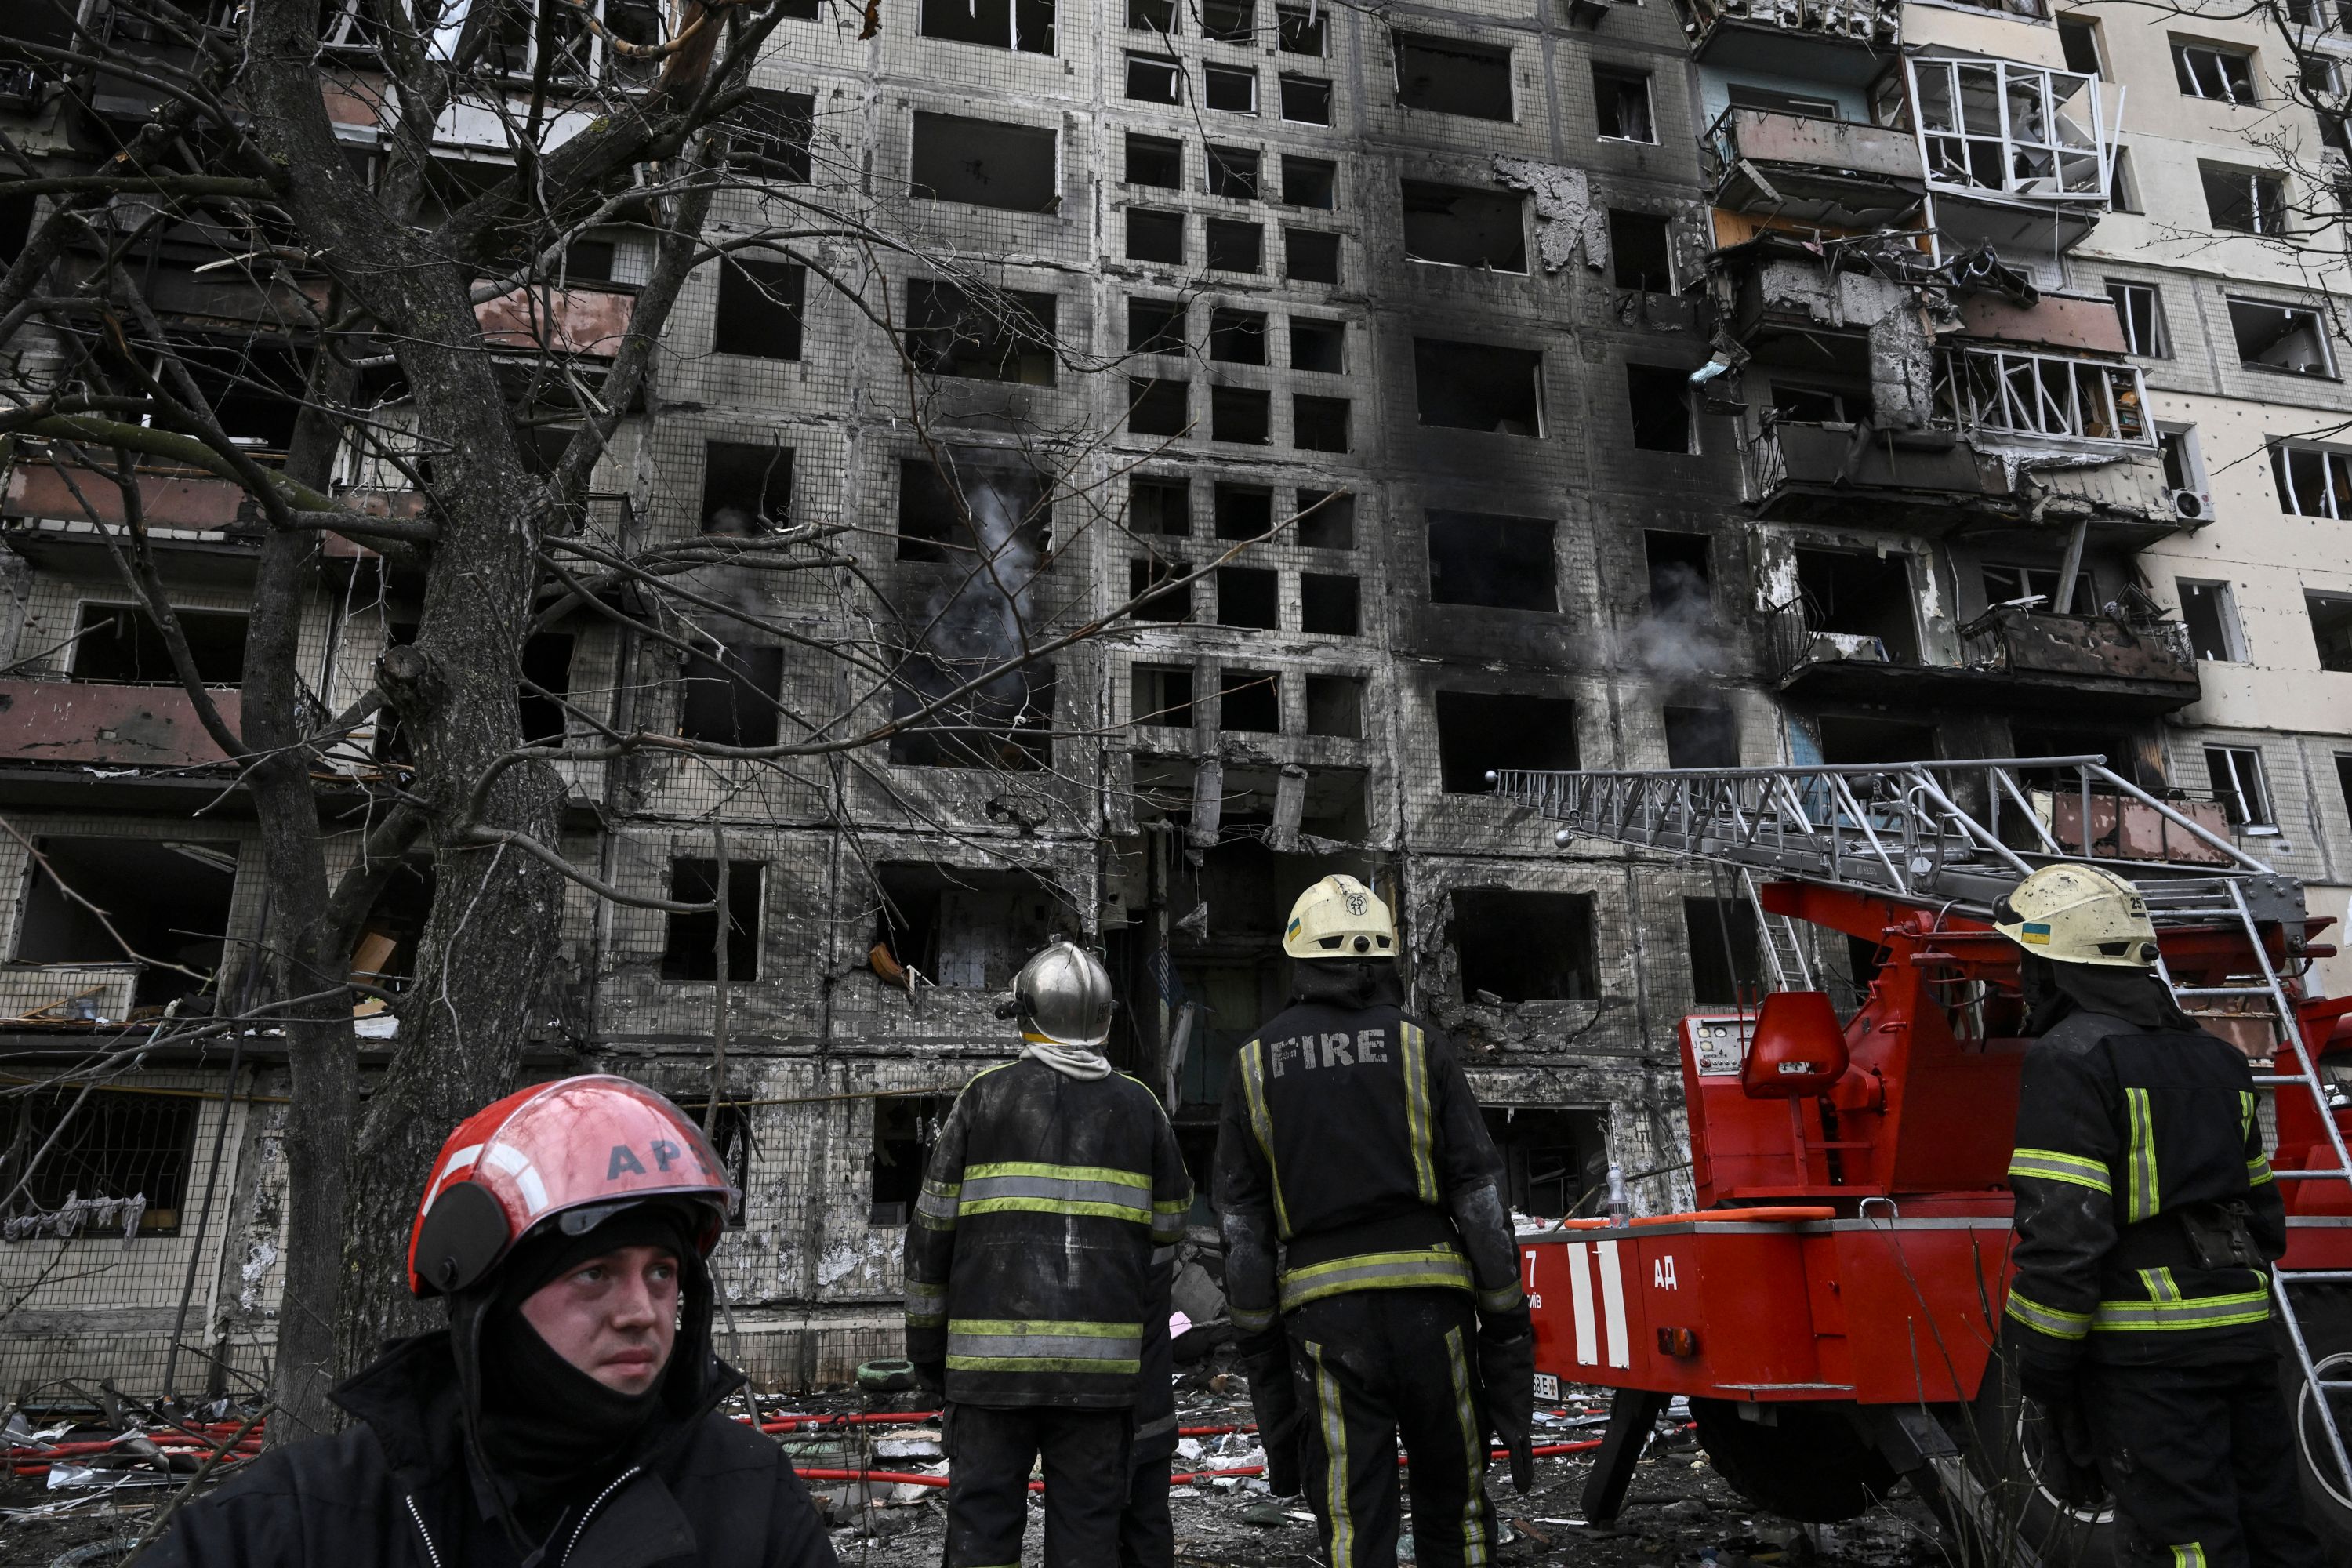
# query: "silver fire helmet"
{"type": "Point", "coordinates": [1063, 993]}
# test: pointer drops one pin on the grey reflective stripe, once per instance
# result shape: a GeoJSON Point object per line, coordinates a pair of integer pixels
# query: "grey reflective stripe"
{"type": "Point", "coordinates": [2198, 1312]}
{"type": "Point", "coordinates": [1247, 1320]}
{"type": "Point", "coordinates": [1474, 1454]}
{"type": "Point", "coordinates": [1436, 1268]}
{"type": "Point", "coordinates": [1159, 1428]}
{"type": "Point", "coordinates": [979, 1191]}
{"type": "Point", "coordinates": [936, 1207]}
{"type": "Point", "coordinates": [1507, 1300]}
{"type": "Point", "coordinates": [927, 1305]}
{"type": "Point", "coordinates": [996, 1346]}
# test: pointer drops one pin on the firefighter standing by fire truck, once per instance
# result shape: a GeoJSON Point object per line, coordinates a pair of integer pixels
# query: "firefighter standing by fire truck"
{"type": "Point", "coordinates": [1029, 1274]}
{"type": "Point", "coordinates": [1371, 1270]}
{"type": "Point", "coordinates": [2146, 1220]}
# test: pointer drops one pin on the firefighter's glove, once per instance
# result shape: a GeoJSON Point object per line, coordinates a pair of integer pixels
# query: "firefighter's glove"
{"type": "Point", "coordinates": [1265, 1361]}
{"type": "Point", "coordinates": [1507, 1367]}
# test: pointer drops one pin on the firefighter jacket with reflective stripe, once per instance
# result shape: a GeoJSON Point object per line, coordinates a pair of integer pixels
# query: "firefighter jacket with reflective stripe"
{"type": "Point", "coordinates": [1029, 1255]}
{"type": "Point", "coordinates": [2130, 1144]}
{"type": "Point", "coordinates": [1350, 1136]}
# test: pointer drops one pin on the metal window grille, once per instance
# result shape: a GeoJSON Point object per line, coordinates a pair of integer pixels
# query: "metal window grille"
{"type": "Point", "coordinates": [1995, 125]}
{"type": "Point", "coordinates": [2043, 394]}
{"type": "Point", "coordinates": [2311, 480]}
{"type": "Point", "coordinates": [2239, 785]}
{"type": "Point", "coordinates": [116, 1146]}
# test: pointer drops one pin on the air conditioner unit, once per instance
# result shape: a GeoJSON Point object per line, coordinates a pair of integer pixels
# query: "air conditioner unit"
{"type": "Point", "coordinates": [2191, 506]}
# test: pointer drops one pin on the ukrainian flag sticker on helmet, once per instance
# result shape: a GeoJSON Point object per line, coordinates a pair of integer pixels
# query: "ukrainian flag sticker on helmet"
{"type": "Point", "coordinates": [2035, 933]}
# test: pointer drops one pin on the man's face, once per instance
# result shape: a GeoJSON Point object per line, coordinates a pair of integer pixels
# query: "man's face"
{"type": "Point", "coordinates": [614, 1316]}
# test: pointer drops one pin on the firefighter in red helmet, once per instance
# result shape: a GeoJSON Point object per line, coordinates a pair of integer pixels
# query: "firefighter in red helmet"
{"type": "Point", "coordinates": [569, 1413]}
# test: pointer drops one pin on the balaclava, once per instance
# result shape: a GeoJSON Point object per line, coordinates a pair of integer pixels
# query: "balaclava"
{"type": "Point", "coordinates": [2053, 990]}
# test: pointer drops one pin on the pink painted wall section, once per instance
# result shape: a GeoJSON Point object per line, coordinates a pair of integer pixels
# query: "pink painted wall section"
{"type": "Point", "coordinates": [570, 321]}
{"type": "Point", "coordinates": [118, 726]}
{"type": "Point", "coordinates": [169, 501]}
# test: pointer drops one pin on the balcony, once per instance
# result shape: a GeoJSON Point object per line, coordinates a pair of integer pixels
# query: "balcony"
{"type": "Point", "coordinates": [1821, 472]}
{"type": "Point", "coordinates": [2019, 154]}
{"type": "Point", "coordinates": [1822, 40]}
{"type": "Point", "coordinates": [1808, 171]}
{"type": "Point", "coordinates": [108, 726]}
{"type": "Point", "coordinates": [2010, 658]}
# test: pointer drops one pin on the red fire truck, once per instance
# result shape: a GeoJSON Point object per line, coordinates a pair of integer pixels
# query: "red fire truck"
{"type": "Point", "coordinates": [1831, 1301]}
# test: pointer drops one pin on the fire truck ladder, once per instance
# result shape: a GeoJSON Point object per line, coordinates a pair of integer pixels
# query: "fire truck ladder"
{"type": "Point", "coordinates": [1956, 836]}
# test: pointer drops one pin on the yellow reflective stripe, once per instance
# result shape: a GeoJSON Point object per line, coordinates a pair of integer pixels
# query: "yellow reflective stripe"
{"type": "Point", "coordinates": [935, 1207]}
{"type": "Point", "coordinates": [1474, 1454]}
{"type": "Point", "coordinates": [2055, 1166]}
{"type": "Point", "coordinates": [1025, 1186]}
{"type": "Point", "coordinates": [2158, 1284]}
{"type": "Point", "coordinates": [2179, 1314]}
{"type": "Point", "coordinates": [1173, 1205]}
{"type": "Point", "coordinates": [1113, 1174]}
{"type": "Point", "coordinates": [2190, 1556]}
{"type": "Point", "coordinates": [2258, 1170]}
{"type": "Point", "coordinates": [1253, 1064]}
{"type": "Point", "coordinates": [2246, 1113]}
{"type": "Point", "coordinates": [1335, 1460]}
{"type": "Point", "coordinates": [1247, 1322]}
{"type": "Point", "coordinates": [1440, 1267]}
{"type": "Point", "coordinates": [1509, 1299]}
{"type": "Point", "coordinates": [1416, 1111]}
{"type": "Point", "coordinates": [995, 1344]}
{"type": "Point", "coordinates": [2139, 1159]}
{"type": "Point", "coordinates": [927, 1305]}
{"type": "Point", "coordinates": [2056, 1322]}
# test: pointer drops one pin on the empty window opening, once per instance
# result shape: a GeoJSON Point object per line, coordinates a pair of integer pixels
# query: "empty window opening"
{"type": "Point", "coordinates": [1727, 964]}
{"type": "Point", "coordinates": [2281, 337]}
{"type": "Point", "coordinates": [731, 696]}
{"type": "Point", "coordinates": [1621, 103]}
{"type": "Point", "coordinates": [759, 312]}
{"type": "Point", "coordinates": [985, 162]}
{"type": "Point", "coordinates": [1318, 423]}
{"type": "Point", "coordinates": [1232, 173]}
{"type": "Point", "coordinates": [1326, 604]}
{"type": "Point", "coordinates": [1155, 160]}
{"type": "Point", "coordinates": [2139, 311]}
{"type": "Point", "coordinates": [2207, 609]}
{"type": "Point", "coordinates": [1160, 16]}
{"type": "Point", "coordinates": [1310, 181]}
{"type": "Point", "coordinates": [2212, 70]}
{"type": "Point", "coordinates": [168, 897]}
{"type": "Point", "coordinates": [1457, 226]}
{"type": "Point", "coordinates": [2236, 773]}
{"type": "Point", "coordinates": [113, 1145]}
{"type": "Point", "coordinates": [1319, 346]}
{"type": "Point", "coordinates": [1552, 1160]}
{"type": "Point", "coordinates": [1154, 78]}
{"type": "Point", "coordinates": [118, 644]}
{"type": "Point", "coordinates": [906, 1127]}
{"type": "Point", "coordinates": [1243, 511]}
{"type": "Point", "coordinates": [967, 930]}
{"type": "Point", "coordinates": [1241, 414]}
{"type": "Point", "coordinates": [1327, 520]}
{"type": "Point", "coordinates": [1007, 725]}
{"type": "Point", "coordinates": [1249, 596]}
{"type": "Point", "coordinates": [1479, 386]}
{"type": "Point", "coordinates": [2331, 629]}
{"type": "Point", "coordinates": [1641, 251]}
{"type": "Point", "coordinates": [768, 137]}
{"type": "Point", "coordinates": [1305, 100]}
{"type": "Point", "coordinates": [746, 489]}
{"type": "Point", "coordinates": [1006, 335]}
{"type": "Point", "coordinates": [1335, 706]}
{"type": "Point", "coordinates": [1232, 89]}
{"type": "Point", "coordinates": [1228, 21]}
{"type": "Point", "coordinates": [1310, 256]}
{"type": "Point", "coordinates": [1249, 701]}
{"type": "Point", "coordinates": [2036, 589]}
{"type": "Point", "coordinates": [1850, 594]}
{"type": "Point", "coordinates": [1238, 336]}
{"type": "Point", "coordinates": [546, 683]}
{"type": "Point", "coordinates": [2249, 201]}
{"type": "Point", "coordinates": [1161, 694]}
{"type": "Point", "coordinates": [1158, 407]}
{"type": "Point", "coordinates": [1160, 506]}
{"type": "Point", "coordinates": [690, 951]}
{"type": "Point", "coordinates": [1525, 947]}
{"type": "Point", "coordinates": [1155, 327]}
{"type": "Point", "coordinates": [1479, 730]}
{"type": "Point", "coordinates": [1857, 741]}
{"type": "Point", "coordinates": [1301, 32]}
{"type": "Point", "coordinates": [1658, 397]}
{"type": "Point", "coordinates": [1501, 562]}
{"type": "Point", "coordinates": [2078, 40]}
{"type": "Point", "coordinates": [1331, 806]}
{"type": "Point", "coordinates": [2343, 779]}
{"type": "Point", "coordinates": [2183, 468]}
{"type": "Point", "coordinates": [1701, 738]}
{"type": "Point", "coordinates": [1024, 25]}
{"type": "Point", "coordinates": [1451, 77]}
{"type": "Point", "coordinates": [2312, 481]}
{"type": "Point", "coordinates": [1154, 602]}
{"type": "Point", "coordinates": [2123, 191]}
{"type": "Point", "coordinates": [990, 509]}
{"type": "Point", "coordinates": [1235, 247]}
{"type": "Point", "coordinates": [1680, 569]}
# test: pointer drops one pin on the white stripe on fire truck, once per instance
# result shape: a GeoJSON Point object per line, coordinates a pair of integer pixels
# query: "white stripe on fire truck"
{"type": "Point", "coordinates": [1613, 1299]}
{"type": "Point", "coordinates": [1579, 1295]}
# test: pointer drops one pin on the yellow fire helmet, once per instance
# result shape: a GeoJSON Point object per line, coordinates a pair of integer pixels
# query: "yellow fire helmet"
{"type": "Point", "coordinates": [2078, 914]}
{"type": "Point", "coordinates": [1339, 917]}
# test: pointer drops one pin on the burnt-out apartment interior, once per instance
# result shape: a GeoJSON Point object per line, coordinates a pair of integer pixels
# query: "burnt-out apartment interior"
{"type": "Point", "coordinates": [1421, 449]}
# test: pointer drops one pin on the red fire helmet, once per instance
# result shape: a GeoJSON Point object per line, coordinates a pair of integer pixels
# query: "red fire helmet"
{"type": "Point", "coordinates": [568, 1153]}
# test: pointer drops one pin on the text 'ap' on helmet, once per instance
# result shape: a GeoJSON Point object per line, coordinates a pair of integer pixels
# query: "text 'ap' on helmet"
{"type": "Point", "coordinates": [567, 1155]}
{"type": "Point", "coordinates": [2078, 914]}
{"type": "Point", "coordinates": [1339, 917]}
{"type": "Point", "coordinates": [1063, 995]}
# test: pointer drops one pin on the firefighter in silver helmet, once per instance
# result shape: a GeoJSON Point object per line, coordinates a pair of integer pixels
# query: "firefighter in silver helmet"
{"type": "Point", "coordinates": [2146, 1222]}
{"type": "Point", "coordinates": [1029, 1272]}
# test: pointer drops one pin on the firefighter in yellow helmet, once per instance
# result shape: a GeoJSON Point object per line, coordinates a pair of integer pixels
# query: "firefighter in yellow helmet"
{"type": "Point", "coordinates": [1372, 1275]}
{"type": "Point", "coordinates": [2146, 1222]}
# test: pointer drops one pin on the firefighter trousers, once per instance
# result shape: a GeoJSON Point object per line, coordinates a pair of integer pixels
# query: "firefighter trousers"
{"type": "Point", "coordinates": [989, 1453]}
{"type": "Point", "coordinates": [1147, 1531]}
{"type": "Point", "coordinates": [2202, 1461]}
{"type": "Point", "coordinates": [1371, 1366]}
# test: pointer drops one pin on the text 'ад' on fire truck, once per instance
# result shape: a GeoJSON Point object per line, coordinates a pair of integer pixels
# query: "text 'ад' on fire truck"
{"type": "Point", "coordinates": [1832, 1305]}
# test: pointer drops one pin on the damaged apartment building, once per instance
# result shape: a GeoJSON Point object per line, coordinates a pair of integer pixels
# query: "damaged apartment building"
{"type": "Point", "coordinates": [1617, 385]}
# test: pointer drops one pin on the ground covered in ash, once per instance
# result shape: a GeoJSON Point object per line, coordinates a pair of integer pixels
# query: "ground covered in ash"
{"type": "Point", "coordinates": [1679, 1514]}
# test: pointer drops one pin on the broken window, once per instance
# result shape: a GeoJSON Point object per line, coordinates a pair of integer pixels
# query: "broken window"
{"type": "Point", "coordinates": [982, 162]}
{"type": "Point", "coordinates": [746, 489]}
{"type": "Point", "coordinates": [1154, 602]}
{"type": "Point", "coordinates": [1160, 506]}
{"type": "Point", "coordinates": [169, 898]}
{"type": "Point", "coordinates": [1003, 336]}
{"type": "Point", "coordinates": [1326, 604]}
{"type": "Point", "coordinates": [1701, 737]}
{"type": "Point", "coordinates": [1154, 236]}
{"type": "Point", "coordinates": [1228, 21]}
{"type": "Point", "coordinates": [2312, 481]}
{"type": "Point", "coordinates": [906, 1126]}
{"type": "Point", "coordinates": [2183, 468]}
{"type": "Point", "coordinates": [2078, 40]}
{"type": "Point", "coordinates": [1155, 327]}
{"type": "Point", "coordinates": [1479, 386]}
{"type": "Point", "coordinates": [768, 137]}
{"type": "Point", "coordinates": [1658, 397]}
{"type": "Point", "coordinates": [1241, 414]}
{"type": "Point", "coordinates": [2331, 629]}
{"type": "Point", "coordinates": [1795, 403]}
{"type": "Point", "coordinates": [1301, 31]}
{"type": "Point", "coordinates": [2009, 584]}
{"type": "Point", "coordinates": [1525, 947]}
{"type": "Point", "coordinates": [2249, 201]}
{"type": "Point", "coordinates": [1154, 17]}
{"type": "Point", "coordinates": [1997, 125]}
{"type": "Point", "coordinates": [1237, 337]}
{"type": "Point", "coordinates": [2236, 773]}
{"type": "Point", "coordinates": [2207, 609]}
{"type": "Point", "coordinates": [1850, 594]}
{"type": "Point", "coordinates": [963, 930]}
{"type": "Point", "coordinates": [1243, 511]}
{"type": "Point", "coordinates": [2282, 337]}
{"type": "Point", "coordinates": [1327, 520]}
{"type": "Point", "coordinates": [1154, 78]}
{"type": "Point", "coordinates": [118, 644]}
{"type": "Point", "coordinates": [1155, 160]}
{"type": "Point", "coordinates": [1235, 247]}
{"type": "Point", "coordinates": [1232, 89]}
{"type": "Point", "coordinates": [2042, 395]}
{"type": "Point", "coordinates": [1456, 225]}
{"type": "Point", "coordinates": [1161, 694]}
{"type": "Point", "coordinates": [1335, 706]}
{"type": "Point", "coordinates": [546, 682]}
{"type": "Point", "coordinates": [1310, 256]}
{"type": "Point", "coordinates": [1024, 25]}
{"type": "Point", "coordinates": [1006, 724]}
{"type": "Point", "coordinates": [759, 311]}
{"type": "Point", "coordinates": [1249, 596]}
{"type": "Point", "coordinates": [1851, 742]}
{"type": "Point", "coordinates": [2123, 191]}
{"type": "Point", "coordinates": [1553, 1160]}
{"type": "Point", "coordinates": [731, 696]}
{"type": "Point", "coordinates": [1727, 963]}
{"type": "Point", "coordinates": [1232, 173]}
{"type": "Point", "coordinates": [1680, 570]}
{"type": "Point", "coordinates": [1482, 731]}
{"type": "Point", "coordinates": [1305, 100]}
{"type": "Point", "coordinates": [1318, 423]}
{"type": "Point", "coordinates": [1641, 251]}
{"type": "Point", "coordinates": [1249, 701]}
{"type": "Point", "coordinates": [1309, 182]}
{"type": "Point", "coordinates": [1449, 76]}
{"type": "Point", "coordinates": [1621, 104]}
{"type": "Point", "coordinates": [1158, 407]}
{"type": "Point", "coordinates": [2217, 71]}
{"type": "Point", "coordinates": [1502, 562]}
{"type": "Point", "coordinates": [113, 1144]}
{"type": "Point", "coordinates": [1317, 345]}
{"type": "Point", "coordinates": [691, 948]}
{"type": "Point", "coordinates": [2139, 312]}
{"type": "Point", "coordinates": [1772, 101]}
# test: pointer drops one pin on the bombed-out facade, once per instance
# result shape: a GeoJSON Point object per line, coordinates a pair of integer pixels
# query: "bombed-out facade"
{"type": "Point", "coordinates": [1548, 384]}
